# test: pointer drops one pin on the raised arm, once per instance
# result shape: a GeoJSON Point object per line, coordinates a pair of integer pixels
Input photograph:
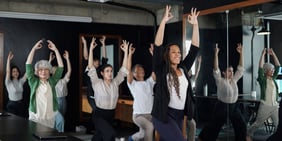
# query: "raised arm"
{"type": "Point", "coordinates": [8, 67]}
{"type": "Point", "coordinates": [193, 19]}
{"type": "Point", "coordinates": [92, 47]}
{"type": "Point", "coordinates": [160, 33]}
{"type": "Point", "coordinates": [104, 52]}
{"type": "Point", "coordinates": [129, 64]}
{"type": "Point", "coordinates": [37, 46]}
{"type": "Point", "coordinates": [124, 48]}
{"type": "Point", "coordinates": [276, 60]}
{"type": "Point", "coordinates": [261, 61]}
{"type": "Point", "coordinates": [240, 51]}
{"type": "Point", "coordinates": [215, 62]}
{"type": "Point", "coordinates": [66, 56]}
{"type": "Point", "coordinates": [151, 50]}
{"type": "Point", "coordinates": [53, 47]}
{"type": "Point", "coordinates": [85, 51]}
{"type": "Point", "coordinates": [51, 57]}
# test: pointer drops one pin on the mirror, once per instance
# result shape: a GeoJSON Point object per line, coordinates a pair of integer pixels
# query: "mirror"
{"type": "Point", "coordinates": [113, 52]}
{"type": "Point", "coordinates": [215, 28]}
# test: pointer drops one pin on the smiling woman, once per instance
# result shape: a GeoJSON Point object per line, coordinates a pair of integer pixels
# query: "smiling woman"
{"type": "Point", "coordinates": [108, 52]}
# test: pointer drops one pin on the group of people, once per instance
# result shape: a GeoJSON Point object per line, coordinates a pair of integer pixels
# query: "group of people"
{"type": "Point", "coordinates": [160, 101]}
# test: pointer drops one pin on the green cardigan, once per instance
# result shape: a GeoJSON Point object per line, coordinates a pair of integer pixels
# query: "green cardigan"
{"type": "Point", "coordinates": [33, 82]}
{"type": "Point", "coordinates": [262, 81]}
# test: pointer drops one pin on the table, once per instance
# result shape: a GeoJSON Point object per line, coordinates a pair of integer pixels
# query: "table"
{"type": "Point", "coordinates": [14, 128]}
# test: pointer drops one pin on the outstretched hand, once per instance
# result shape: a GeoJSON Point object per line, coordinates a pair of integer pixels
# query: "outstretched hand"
{"type": "Point", "coordinates": [124, 45]}
{"type": "Point", "coordinates": [38, 45]}
{"type": "Point", "coordinates": [216, 49]}
{"type": "Point", "coordinates": [83, 39]}
{"type": "Point", "coordinates": [270, 51]}
{"type": "Point", "coordinates": [10, 55]}
{"type": "Point", "coordinates": [102, 40]}
{"type": "Point", "coordinates": [131, 49]}
{"type": "Point", "coordinates": [193, 16]}
{"type": "Point", "coordinates": [239, 48]}
{"type": "Point", "coordinates": [151, 49]}
{"type": "Point", "coordinates": [66, 54]}
{"type": "Point", "coordinates": [51, 45]}
{"type": "Point", "coordinates": [93, 43]}
{"type": "Point", "coordinates": [167, 15]}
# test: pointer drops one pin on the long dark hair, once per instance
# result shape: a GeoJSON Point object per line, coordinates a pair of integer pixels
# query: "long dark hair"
{"type": "Point", "coordinates": [172, 76]}
{"type": "Point", "coordinates": [11, 71]}
{"type": "Point", "coordinates": [102, 68]}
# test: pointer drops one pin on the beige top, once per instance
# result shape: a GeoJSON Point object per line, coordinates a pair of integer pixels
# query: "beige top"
{"type": "Point", "coordinates": [270, 94]}
{"type": "Point", "coordinates": [106, 95]}
{"type": "Point", "coordinates": [44, 105]}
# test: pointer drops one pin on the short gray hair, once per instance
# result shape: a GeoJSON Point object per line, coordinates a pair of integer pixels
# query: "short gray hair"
{"type": "Point", "coordinates": [267, 66]}
{"type": "Point", "coordinates": [42, 64]}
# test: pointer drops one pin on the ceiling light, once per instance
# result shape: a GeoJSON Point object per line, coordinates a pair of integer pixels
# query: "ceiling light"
{"type": "Point", "coordinates": [100, 1]}
{"type": "Point", "coordinates": [33, 16]}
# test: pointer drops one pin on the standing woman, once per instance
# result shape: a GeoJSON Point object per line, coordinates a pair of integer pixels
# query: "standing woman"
{"type": "Point", "coordinates": [106, 94]}
{"type": "Point", "coordinates": [173, 89]}
{"type": "Point", "coordinates": [43, 105]}
{"type": "Point", "coordinates": [14, 85]}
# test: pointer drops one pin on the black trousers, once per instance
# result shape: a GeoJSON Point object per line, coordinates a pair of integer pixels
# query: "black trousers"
{"type": "Point", "coordinates": [222, 112]}
{"type": "Point", "coordinates": [103, 120]}
{"type": "Point", "coordinates": [16, 107]}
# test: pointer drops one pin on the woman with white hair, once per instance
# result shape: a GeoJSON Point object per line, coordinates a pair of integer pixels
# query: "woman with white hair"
{"type": "Point", "coordinates": [43, 106]}
{"type": "Point", "coordinates": [268, 107]}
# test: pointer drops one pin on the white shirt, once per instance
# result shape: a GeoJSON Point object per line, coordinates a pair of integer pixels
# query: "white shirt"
{"type": "Point", "coordinates": [175, 101]}
{"type": "Point", "coordinates": [227, 90]}
{"type": "Point", "coordinates": [44, 106]}
{"type": "Point", "coordinates": [15, 88]}
{"type": "Point", "coordinates": [62, 87]}
{"type": "Point", "coordinates": [106, 95]}
{"type": "Point", "coordinates": [142, 92]}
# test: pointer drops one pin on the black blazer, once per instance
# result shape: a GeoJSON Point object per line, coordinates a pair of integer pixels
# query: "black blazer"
{"type": "Point", "coordinates": [161, 93]}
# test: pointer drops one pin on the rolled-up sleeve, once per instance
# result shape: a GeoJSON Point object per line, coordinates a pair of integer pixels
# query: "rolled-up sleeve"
{"type": "Point", "coordinates": [121, 74]}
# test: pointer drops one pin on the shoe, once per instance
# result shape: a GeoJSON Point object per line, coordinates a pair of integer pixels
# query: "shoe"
{"type": "Point", "coordinates": [130, 138]}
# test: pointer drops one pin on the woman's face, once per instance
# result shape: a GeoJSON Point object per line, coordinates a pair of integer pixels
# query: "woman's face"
{"type": "Point", "coordinates": [107, 73]}
{"type": "Point", "coordinates": [43, 73]}
{"type": "Point", "coordinates": [174, 55]}
{"type": "Point", "coordinates": [15, 73]}
{"type": "Point", "coordinates": [229, 73]}
{"type": "Point", "coordinates": [139, 72]}
{"type": "Point", "coordinates": [269, 72]}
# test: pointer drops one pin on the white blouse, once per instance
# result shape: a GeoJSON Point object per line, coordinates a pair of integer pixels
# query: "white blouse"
{"type": "Point", "coordinates": [106, 95]}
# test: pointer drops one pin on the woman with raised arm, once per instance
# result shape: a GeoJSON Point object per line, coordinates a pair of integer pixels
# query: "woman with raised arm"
{"type": "Point", "coordinates": [43, 105]}
{"type": "Point", "coordinates": [14, 84]}
{"type": "Point", "coordinates": [268, 107]}
{"type": "Point", "coordinates": [173, 89]}
{"type": "Point", "coordinates": [106, 94]}
{"type": "Point", "coordinates": [62, 84]}
{"type": "Point", "coordinates": [142, 91]}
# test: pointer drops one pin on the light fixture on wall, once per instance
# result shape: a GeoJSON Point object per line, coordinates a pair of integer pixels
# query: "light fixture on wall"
{"type": "Point", "coordinates": [33, 16]}
{"type": "Point", "coordinates": [263, 30]}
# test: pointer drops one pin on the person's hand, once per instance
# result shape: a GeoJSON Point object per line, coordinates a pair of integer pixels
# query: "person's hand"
{"type": "Point", "coordinates": [124, 45]}
{"type": "Point", "coordinates": [199, 59]}
{"type": "Point", "coordinates": [83, 39]}
{"type": "Point", "coordinates": [51, 45]}
{"type": "Point", "coordinates": [38, 45]}
{"type": "Point", "coordinates": [167, 15]}
{"type": "Point", "coordinates": [10, 55]}
{"type": "Point", "coordinates": [216, 49]}
{"type": "Point", "coordinates": [66, 55]}
{"type": "Point", "coordinates": [193, 16]}
{"type": "Point", "coordinates": [270, 52]}
{"type": "Point", "coordinates": [93, 43]}
{"type": "Point", "coordinates": [131, 49]}
{"type": "Point", "coordinates": [263, 52]}
{"type": "Point", "coordinates": [102, 40]}
{"type": "Point", "coordinates": [239, 48]}
{"type": "Point", "coordinates": [51, 56]}
{"type": "Point", "coordinates": [151, 49]}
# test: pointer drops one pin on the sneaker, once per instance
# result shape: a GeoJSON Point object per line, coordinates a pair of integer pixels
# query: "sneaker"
{"type": "Point", "coordinates": [130, 138]}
